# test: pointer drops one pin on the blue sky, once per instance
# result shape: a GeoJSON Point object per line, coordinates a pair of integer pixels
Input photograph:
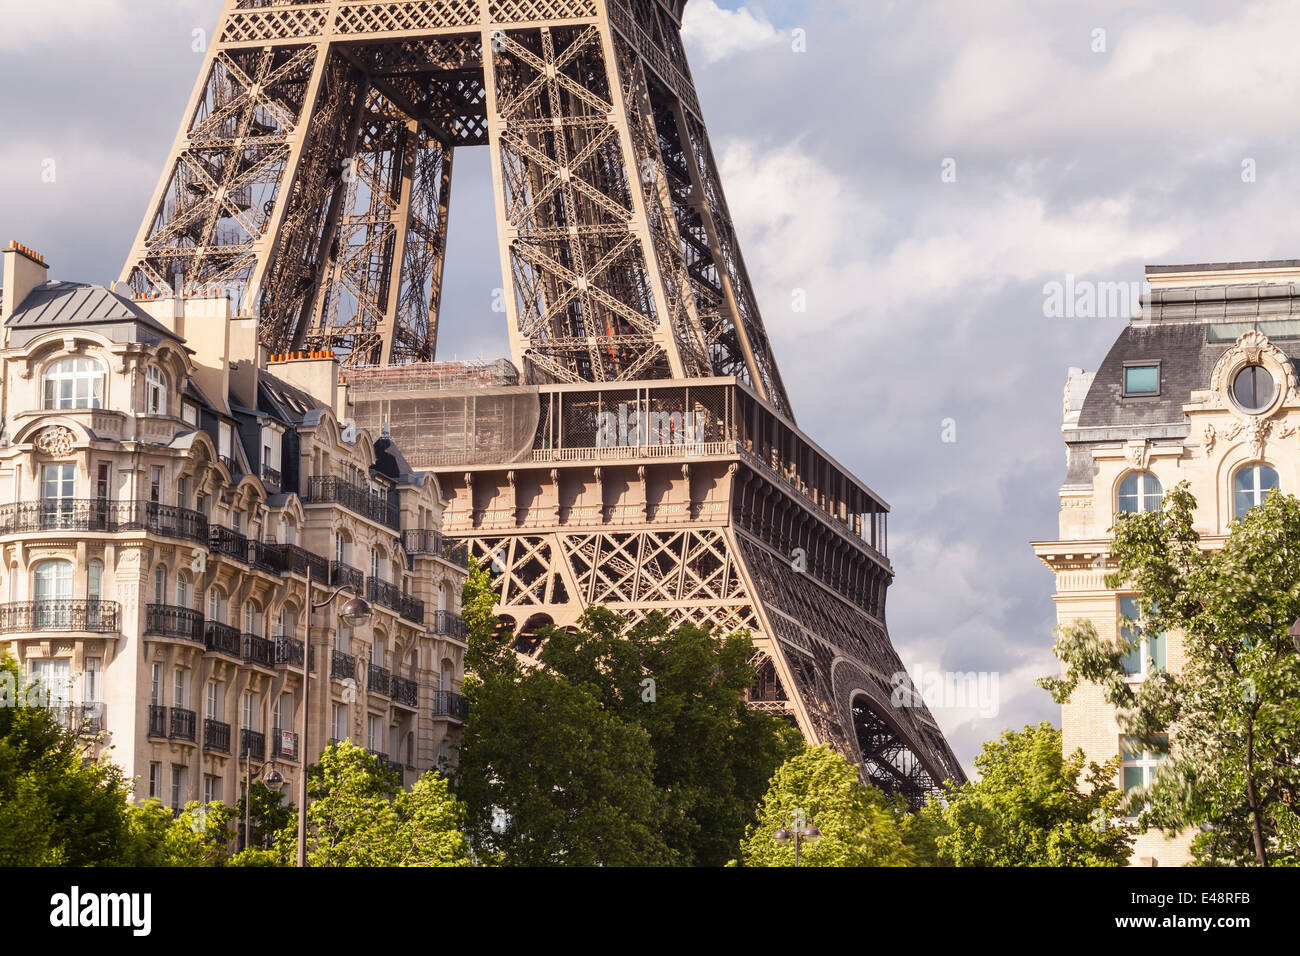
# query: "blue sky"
{"type": "Point", "coordinates": [925, 298]}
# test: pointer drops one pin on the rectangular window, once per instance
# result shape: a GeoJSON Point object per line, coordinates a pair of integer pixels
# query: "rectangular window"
{"type": "Point", "coordinates": [211, 788]}
{"type": "Point", "coordinates": [58, 490]}
{"type": "Point", "coordinates": [90, 682]}
{"type": "Point", "coordinates": [190, 414]}
{"type": "Point", "coordinates": [1142, 379]}
{"type": "Point", "coordinates": [338, 721]}
{"type": "Point", "coordinates": [179, 685]}
{"type": "Point", "coordinates": [248, 714]}
{"type": "Point", "coordinates": [1146, 653]}
{"type": "Point", "coordinates": [155, 781]}
{"type": "Point", "coordinates": [103, 481]}
{"type": "Point", "coordinates": [216, 700]}
{"type": "Point", "coordinates": [183, 492]}
{"type": "Point", "coordinates": [155, 485]}
{"type": "Point", "coordinates": [374, 733]}
{"type": "Point", "coordinates": [178, 787]}
{"type": "Point", "coordinates": [155, 695]}
{"type": "Point", "coordinates": [1141, 761]}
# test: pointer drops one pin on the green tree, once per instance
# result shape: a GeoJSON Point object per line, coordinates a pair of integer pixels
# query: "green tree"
{"type": "Point", "coordinates": [57, 808]}
{"type": "Point", "coordinates": [200, 835]}
{"type": "Point", "coordinates": [1233, 710]}
{"type": "Point", "coordinates": [859, 825]}
{"type": "Point", "coordinates": [685, 687]}
{"type": "Point", "coordinates": [269, 813]}
{"type": "Point", "coordinates": [358, 815]}
{"type": "Point", "coordinates": [1033, 806]}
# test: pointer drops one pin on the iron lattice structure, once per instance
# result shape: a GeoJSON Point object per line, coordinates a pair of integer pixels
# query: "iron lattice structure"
{"type": "Point", "coordinates": [313, 171]}
{"type": "Point", "coordinates": [311, 180]}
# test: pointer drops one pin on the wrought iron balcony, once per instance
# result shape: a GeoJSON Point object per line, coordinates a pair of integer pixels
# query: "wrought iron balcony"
{"type": "Point", "coordinates": [258, 650]}
{"type": "Point", "coordinates": [222, 639]}
{"type": "Point", "coordinates": [341, 574]}
{"type": "Point", "coordinates": [288, 651]}
{"type": "Point", "coordinates": [422, 541]}
{"type": "Point", "coordinates": [297, 560]}
{"type": "Point", "coordinates": [252, 744]}
{"type": "Point", "coordinates": [84, 719]}
{"type": "Point", "coordinates": [451, 705]}
{"type": "Point", "coordinates": [228, 542]}
{"type": "Point", "coordinates": [170, 621]}
{"type": "Point", "coordinates": [384, 594]}
{"type": "Point", "coordinates": [457, 554]}
{"type": "Point", "coordinates": [272, 478]}
{"type": "Point", "coordinates": [378, 680]}
{"type": "Point", "coordinates": [412, 609]}
{"type": "Point", "coordinates": [157, 720]}
{"type": "Point", "coordinates": [103, 515]}
{"type": "Point", "coordinates": [405, 691]}
{"type": "Point", "coordinates": [232, 465]}
{"type": "Point", "coordinates": [284, 744]}
{"type": "Point", "coordinates": [342, 666]}
{"type": "Point", "coordinates": [35, 617]}
{"type": "Point", "coordinates": [216, 735]}
{"type": "Point", "coordinates": [447, 624]}
{"type": "Point", "coordinates": [266, 557]}
{"type": "Point", "coordinates": [328, 490]}
{"type": "Point", "coordinates": [181, 724]}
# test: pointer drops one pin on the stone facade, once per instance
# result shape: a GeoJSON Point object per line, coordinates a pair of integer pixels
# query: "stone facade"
{"type": "Point", "coordinates": [165, 491]}
{"type": "Point", "coordinates": [1201, 387]}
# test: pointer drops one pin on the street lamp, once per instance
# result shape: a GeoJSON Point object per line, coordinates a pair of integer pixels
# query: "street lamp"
{"type": "Point", "coordinates": [355, 613]}
{"type": "Point", "coordinates": [800, 832]}
{"type": "Point", "coordinates": [270, 777]}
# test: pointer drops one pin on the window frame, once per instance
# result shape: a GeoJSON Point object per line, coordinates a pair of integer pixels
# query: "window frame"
{"type": "Point", "coordinates": [1147, 363]}
{"type": "Point", "coordinates": [96, 376]}
{"type": "Point", "coordinates": [1257, 492]}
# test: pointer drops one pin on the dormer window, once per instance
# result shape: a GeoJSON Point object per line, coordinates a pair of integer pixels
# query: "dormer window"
{"type": "Point", "coordinates": [72, 383]}
{"type": "Point", "coordinates": [1141, 379]}
{"type": "Point", "coordinates": [155, 391]}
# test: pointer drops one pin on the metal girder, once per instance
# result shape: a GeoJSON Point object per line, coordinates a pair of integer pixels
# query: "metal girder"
{"type": "Point", "coordinates": [310, 180]}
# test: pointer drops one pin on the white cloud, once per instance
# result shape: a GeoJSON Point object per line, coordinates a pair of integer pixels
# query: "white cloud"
{"type": "Point", "coordinates": [717, 34]}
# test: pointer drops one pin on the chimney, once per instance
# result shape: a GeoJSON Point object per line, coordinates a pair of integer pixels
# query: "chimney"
{"type": "Point", "coordinates": [24, 270]}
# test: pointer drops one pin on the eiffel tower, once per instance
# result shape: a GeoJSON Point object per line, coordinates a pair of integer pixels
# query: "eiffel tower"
{"type": "Point", "coordinates": [639, 449]}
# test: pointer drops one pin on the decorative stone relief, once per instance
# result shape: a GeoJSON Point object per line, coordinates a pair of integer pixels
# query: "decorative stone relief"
{"type": "Point", "coordinates": [55, 441]}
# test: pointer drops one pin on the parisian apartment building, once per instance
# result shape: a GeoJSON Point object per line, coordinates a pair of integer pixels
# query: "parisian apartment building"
{"type": "Point", "coordinates": [1200, 387]}
{"type": "Point", "coordinates": [166, 490]}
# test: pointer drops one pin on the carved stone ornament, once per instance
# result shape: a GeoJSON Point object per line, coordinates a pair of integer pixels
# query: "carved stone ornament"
{"type": "Point", "coordinates": [1254, 348]}
{"type": "Point", "coordinates": [55, 441]}
{"type": "Point", "coordinates": [1211, 436]}
{"type": "Point", "coordinates": [1138, 454]}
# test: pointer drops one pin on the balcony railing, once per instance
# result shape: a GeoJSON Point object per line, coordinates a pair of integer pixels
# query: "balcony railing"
{"type": "Point", "coordinates": [83, 719]}
{"type": "Point", "coordinates": [447, 624]}
{"type": "Point", "coordinates": [288, 651]}
{"type": "Point", "coordinates": [422, 541]}
{"type": "Point", "coordinates": [405, 691]}
{"type": "Point", "coordinates": [397, 767]}
{"type": "Point", "coordinates": [216, 735]}
{"type": "Point", "coordinates": [170, 621]}
{"type": "Point", "coordinates": [384, 594]}
{"type": "Point", "coordinates": [223, 639]}
{"type": "Point", "coordinates": [284, 744]}
{"type": "Point", "coordinates": [325, 490]}
{"type": "Point", "coordinates": [266, 557]}
{"type": "Point", "coordinates": [181, 725]}
{"type": "Point", "coordinates": [103, 515]}
{"type": "Point", "coordinates": [378, 680]}
{"type": "Point", "coordinates": [258, 650]}
{"type": "Point", "coordinates": [449, 704]}
{"type": "Point", "coordinates": [34, 617]}
{"type": "Point", "coordinates": [342, 666]}
{"type": "Point", "coordinates": [341, 574]}
{"type": "Point", "coordinates": [411, 608]}
{"type": "Point", "coordinates": [297, 560]}
{"type": "Point", "coordinates": [252, 744]}
{"type": "Point", "coordinates": [228, 542]}
{"type": "Point", "coordinates": [157, 720]}
{"type": "Point", "coordinates": [232, 465]}
{"type": "Point", "coordinates": [272, 478]}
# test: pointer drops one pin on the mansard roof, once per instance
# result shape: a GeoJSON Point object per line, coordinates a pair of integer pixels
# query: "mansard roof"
{"type": "Point", "coordinates": [73, 304]}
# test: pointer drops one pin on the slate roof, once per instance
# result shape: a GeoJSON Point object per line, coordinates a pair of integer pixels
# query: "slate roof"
{"type": "Point", "coordinates": [56, 304]}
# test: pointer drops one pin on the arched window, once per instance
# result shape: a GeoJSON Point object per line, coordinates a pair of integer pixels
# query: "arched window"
{"type": "Point", "coordinates": [1140, 491]}
{"type": "Point", "coordinates": [155, 391]}
{"type": "Point", "coordinates": [216, 606]}
{"type": "Point", "coordinates": [182, 589]}
{"type": "Point", "coordinates": [74, 383]}
{"type": "Point", "coordinates": [94, 588]}
{"type": "Point", "coordinates": [160, 585]}
{"type": "Point", "coordinates": [1250, 486]}
{"type": "Point", "coordinates": [52, 583]}
{"type": "Point", "coordinates": [445, 677]}
{"type": "Point", "coordinates": [444, 596]}
{"type": "Point", "coordinates": [252, 619]}
{"type": "Point", "coordinates": [374, 563]}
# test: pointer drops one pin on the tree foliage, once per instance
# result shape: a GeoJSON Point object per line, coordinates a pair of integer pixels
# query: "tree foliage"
{"type": "Point", "coordinates": [1032, 806]}
{"type": "Point", "coordinates": [358, 815]}
{"type": "Point", "coordinates": [622, 745]}
{"type": "Point", "coordinates": [859, 825]}
{"type": "Point", "coordinates": [1232, 712]}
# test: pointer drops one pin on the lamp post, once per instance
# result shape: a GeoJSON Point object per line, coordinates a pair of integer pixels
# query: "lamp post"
{"type": "Point", "coordinates": [802, 830]}
{"type": "Point", "coordinates": [270, 777]}
{"type": "Point", "coordinates": [354, 613]}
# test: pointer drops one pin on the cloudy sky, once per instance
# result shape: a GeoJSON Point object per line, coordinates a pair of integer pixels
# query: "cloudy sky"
{"type": "Point", "coordinates": [1087, 139]}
